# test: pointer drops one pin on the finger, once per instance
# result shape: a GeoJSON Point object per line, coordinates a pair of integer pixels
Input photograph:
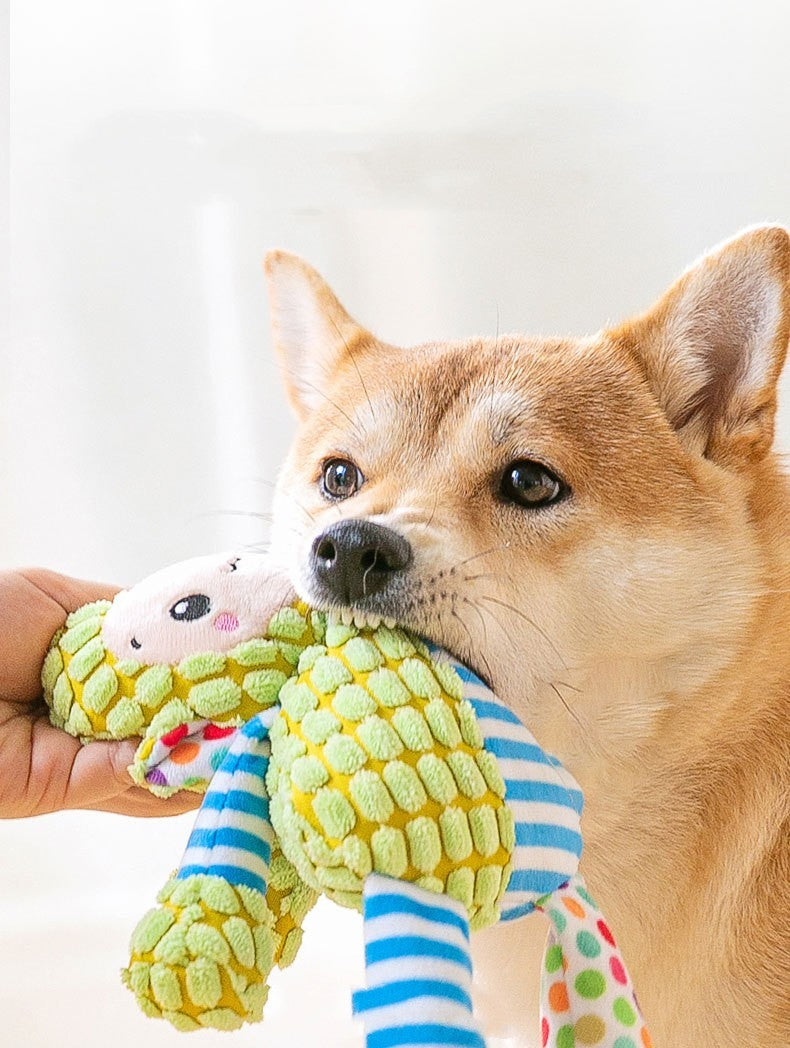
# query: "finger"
{"type": "Point", "coordinates": [143, 805]}
{"type": "Point", "coordinates": [34, 604]}
{"type": "Point", "coordinates": [68, 592]}
{"type": "Point", "coordinates": [100, 779]}
{"type": "Point", "coordinates": [65, 774]}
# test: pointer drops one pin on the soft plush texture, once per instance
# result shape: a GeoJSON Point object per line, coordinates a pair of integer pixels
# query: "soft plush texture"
{"type": "Point", "coordinates": [359, 763]}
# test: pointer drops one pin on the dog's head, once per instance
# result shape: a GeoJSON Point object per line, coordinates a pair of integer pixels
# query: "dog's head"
{"type": "Point", "coordinates": [572, 517]}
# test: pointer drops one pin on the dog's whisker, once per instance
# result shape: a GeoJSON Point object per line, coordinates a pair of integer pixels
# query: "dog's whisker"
{"type": "Point", "coordinates": [485, 553]}
{"type": "Point", "coordinates": [559, 695]}
{"type": "Point", "coordinates": [306, 512]}
{"type": "Point", "coordinates": [493, 371]}
{"type": "Point", "coordinates": [355, 427]}
{"type": "Point", "coordinates": [477, 611]}
{"type": "Point", "coordinates": [356, 368]}
{"type": "Point", "coordinates": [255, 515]}
{"type": "Point", "coordinates": [565, 684]}
{"type": "Point", "coordinates": [479, 614]}
{"type": "Point", "coordinates": [474, 653]}
{"type": "Point", "coordinates": [427, 524]}
{"type": "Point", "coordinates": [529, 621]}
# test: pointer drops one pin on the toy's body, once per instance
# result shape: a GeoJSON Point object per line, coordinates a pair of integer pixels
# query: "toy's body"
{"type": "Point", "coordinates": [353, 762]}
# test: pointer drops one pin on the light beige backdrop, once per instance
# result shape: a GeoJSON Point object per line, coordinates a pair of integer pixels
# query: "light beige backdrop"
{"type": "Point", "coordinates": [451, 167]}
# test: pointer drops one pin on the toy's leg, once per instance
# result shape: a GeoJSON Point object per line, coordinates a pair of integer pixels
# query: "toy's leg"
{"type": "Point", "coordinates": [186, 758]}
{"type": "Point", "coordinates": [233, 837]}
{"type": "Point", "coordinates": [202, 958]}
{"type": "Point", "coordinates": [418, 967]}
{"type": "Point", "coordinates": [587, 996]}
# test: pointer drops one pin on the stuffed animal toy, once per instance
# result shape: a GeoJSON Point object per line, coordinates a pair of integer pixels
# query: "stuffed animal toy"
{"type": "Point", "coordinates": [356, 762]}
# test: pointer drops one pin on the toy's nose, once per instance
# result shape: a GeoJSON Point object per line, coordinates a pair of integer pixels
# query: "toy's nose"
{"type": "Point", "coordinates": [353, 559]}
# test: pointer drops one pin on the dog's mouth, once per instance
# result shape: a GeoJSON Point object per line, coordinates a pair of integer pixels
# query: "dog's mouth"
{"type": "Point", "coordinates": [363, 619]}
{"type": "Point", "coordinates": [403, 606]}
{"type": "Point", "coordinates": [373, 620]}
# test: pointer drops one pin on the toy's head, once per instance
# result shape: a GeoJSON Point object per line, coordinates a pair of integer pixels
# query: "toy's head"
{"type": "Point", "coordinates": [201, 640]}
{"type": "Point", "coordinates": [206, 604]}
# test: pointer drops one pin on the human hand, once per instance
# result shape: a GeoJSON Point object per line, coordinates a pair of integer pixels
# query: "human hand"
{"type": "Point", "coordinates": [42, 768]}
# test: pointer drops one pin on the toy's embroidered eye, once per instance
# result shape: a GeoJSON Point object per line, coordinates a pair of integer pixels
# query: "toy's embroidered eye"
{"type": "Point", "coordinates": [531, 485]}
{"type": "Point", "coordinates": [233, 564]}
{"type": "Point", "coordinates": [195, 606]}
{"type": "Point", "coordinates": [340, 479]}
{"type": "Point", "coordinates": [135, 643]}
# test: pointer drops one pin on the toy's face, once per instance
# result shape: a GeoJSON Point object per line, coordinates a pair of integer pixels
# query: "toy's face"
{"type": "Point", "coordinates": [206, 604]}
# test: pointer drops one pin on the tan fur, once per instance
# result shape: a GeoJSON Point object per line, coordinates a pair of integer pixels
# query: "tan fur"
{"type": "Point", "coordinates": [641, 627]}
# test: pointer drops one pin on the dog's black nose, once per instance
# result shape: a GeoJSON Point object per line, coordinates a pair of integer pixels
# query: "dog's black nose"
{"type": "Point", "coordinates": [357, 558]}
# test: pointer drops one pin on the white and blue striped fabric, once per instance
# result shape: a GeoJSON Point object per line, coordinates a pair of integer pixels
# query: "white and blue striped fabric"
{"type": "Point", "coordinates": [233, 836]}
{"type": "Point", "coordinates": [545, 800]}
{"type": "Point", "coordinates": [418, 968]}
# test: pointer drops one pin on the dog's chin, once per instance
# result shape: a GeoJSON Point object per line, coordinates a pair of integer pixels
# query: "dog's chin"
{"type": "Point", "coordinates": [374, 611]}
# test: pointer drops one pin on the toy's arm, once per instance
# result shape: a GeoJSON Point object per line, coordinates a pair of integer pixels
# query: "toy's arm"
{"type": "Point", "coordinates": [587, 997]}
{"type": "Point", "coordinates": [202, 958]}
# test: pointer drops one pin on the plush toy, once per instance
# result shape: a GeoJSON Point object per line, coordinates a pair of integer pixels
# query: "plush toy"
{"type": "Point", "coordinates": [360, 763]}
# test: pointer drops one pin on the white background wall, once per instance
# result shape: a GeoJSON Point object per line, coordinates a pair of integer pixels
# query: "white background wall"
{"type": "Point", "coordinates": [442, 163]}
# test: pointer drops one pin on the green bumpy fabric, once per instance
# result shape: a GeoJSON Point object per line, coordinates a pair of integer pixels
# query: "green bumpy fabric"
{"type": "Point", "coordinates": [378, 765]}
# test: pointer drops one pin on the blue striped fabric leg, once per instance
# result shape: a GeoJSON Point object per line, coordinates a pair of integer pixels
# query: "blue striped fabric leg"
{"type": "Point", "coordinates": [233, 836]}
{"type": "Point", "coordinates": [418, 967]}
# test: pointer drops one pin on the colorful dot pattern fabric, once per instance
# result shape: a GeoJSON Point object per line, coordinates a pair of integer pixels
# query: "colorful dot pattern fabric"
{"type": "Point", "coordinates": [187, 757]}
{"type": "Point", "coordinates": [587, 997]}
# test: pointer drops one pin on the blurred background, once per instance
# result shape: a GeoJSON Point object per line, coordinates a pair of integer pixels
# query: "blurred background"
{"type": "Point", "coordinates": [449, 167]}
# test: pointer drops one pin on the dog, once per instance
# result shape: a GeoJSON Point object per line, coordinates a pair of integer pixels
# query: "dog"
{"type": "Point", "coordinates": [599, 526]}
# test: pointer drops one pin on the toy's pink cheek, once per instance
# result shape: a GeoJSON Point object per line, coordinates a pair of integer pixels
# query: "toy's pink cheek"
{"type": "Point", "coordinates": [226, 622]}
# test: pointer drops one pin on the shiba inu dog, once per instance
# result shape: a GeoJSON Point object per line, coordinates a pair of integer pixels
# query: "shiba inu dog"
{"type": "Point", "coordinates": [599, 527]}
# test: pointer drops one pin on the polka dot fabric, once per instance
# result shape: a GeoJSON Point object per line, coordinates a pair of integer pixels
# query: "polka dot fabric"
{"type": "Point", "coordinates": [185, 758]}
{"type": "Point", "coordinates": [587, 997]}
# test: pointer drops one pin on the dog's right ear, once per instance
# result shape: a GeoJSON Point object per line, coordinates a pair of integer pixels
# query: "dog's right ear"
{"type": "Point", "coordinates": [713, 346]}
{"type": "Point", "coordinates": [313, 333]}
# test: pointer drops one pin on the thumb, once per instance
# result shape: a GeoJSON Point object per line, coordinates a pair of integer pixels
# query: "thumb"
{"type": "Point", "coordinates": [100, 772]}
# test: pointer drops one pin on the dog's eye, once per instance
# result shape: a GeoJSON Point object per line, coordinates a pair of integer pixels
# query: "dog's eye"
{"type": "Point", "coordinates": [531, 485]}
{"type": "Point", "coordinates": [340, 479]}
{"type": "Point", "coordinates": [195, 606]}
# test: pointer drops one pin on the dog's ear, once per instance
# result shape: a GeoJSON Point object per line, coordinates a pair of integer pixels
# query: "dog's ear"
{"type": "Point", "coordinates": [713, 346]}
{"type": "Point", "coordinates": [313, 334]}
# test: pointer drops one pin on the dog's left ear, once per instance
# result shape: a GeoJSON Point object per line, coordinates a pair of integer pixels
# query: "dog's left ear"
{"type": "Point", "coordinates": [313, 334]}
{"type": "Point", "coordinates": [714, 345]}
